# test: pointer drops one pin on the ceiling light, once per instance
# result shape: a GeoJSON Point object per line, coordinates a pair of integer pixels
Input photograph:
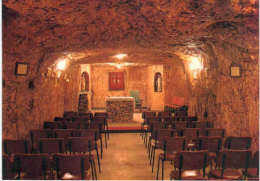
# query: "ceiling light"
{"type": "Point", "coordinates": [120, 56]}
{"type": "Point", "coordinates": [61, 65]}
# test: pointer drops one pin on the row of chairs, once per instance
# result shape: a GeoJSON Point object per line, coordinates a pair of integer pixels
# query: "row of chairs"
{"type": "Point", "coordinates": [43, 166]}
{"type": "Point", "coordinates": [213, 144]}
{"type": "Point", "coordinates": [178, 115]}
{"type": "Point", "coordinates": [233, 165]}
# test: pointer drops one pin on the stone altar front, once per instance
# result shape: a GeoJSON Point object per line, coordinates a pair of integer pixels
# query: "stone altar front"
{"type": "Point", "coordinates": [120, 108]}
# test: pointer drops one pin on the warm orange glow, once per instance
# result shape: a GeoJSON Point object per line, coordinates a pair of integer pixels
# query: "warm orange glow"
{"type": "Point", "coordinates": [120, 56]}
{"type": "Point", "coordinates": [195, 64]}
{"type": "Point", "coordinates": [61, 65]}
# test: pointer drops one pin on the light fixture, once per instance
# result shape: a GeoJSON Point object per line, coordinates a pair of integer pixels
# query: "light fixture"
{"type": "Point", "coordinates": [195, 64]}
{"type": "Point", "coordinates": [61, 65]}
{"type": "Point", "coordinates": [120, 56]}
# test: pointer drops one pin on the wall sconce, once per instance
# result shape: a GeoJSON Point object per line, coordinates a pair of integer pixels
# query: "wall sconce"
{"type": "Point", "coordinates": [235, 70]}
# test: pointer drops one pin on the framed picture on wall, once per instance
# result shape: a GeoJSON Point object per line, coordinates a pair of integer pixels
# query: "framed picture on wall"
{"type": "Point", "coordinates": [21, 68]}
{"type": "Point", "coordinates": [116, 81]}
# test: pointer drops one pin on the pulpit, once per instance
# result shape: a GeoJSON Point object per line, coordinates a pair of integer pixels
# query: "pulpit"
{"type": "Point", "coordinates": [120, 108]}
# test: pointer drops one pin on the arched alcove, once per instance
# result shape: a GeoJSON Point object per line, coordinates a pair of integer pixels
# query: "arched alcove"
{"type": "Point", "coordinates": [157, 82]}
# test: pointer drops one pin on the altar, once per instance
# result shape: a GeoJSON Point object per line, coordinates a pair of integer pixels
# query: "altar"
{"type": "Point", "coordinates": [120, 108]}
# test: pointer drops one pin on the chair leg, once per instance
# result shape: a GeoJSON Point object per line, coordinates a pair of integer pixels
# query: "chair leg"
{"type": "Point", "coordinates": [98, 160]}
{"type": "Point", "coordinates": [158, 167]}
{"type": "Point", "coordinates": [153, 158]}
{"type": "Point", "coordinates": [101, 147]}
{"type": "Point", "coordinates": [106, 140]}
{"type": "Point", "coordinates": [92, 169]}
{"type": "Point", "coordinates": [108, 134]}
{"type": "Point", "coordinates": [94, 166]}
{"type": "Point", "coordinates": [162, 169]}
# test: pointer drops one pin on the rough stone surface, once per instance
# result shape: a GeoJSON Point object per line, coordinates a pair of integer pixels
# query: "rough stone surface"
{"type": "Point", "coordinates": [27, 108]}
{"type": "Point", "coordinates": [150, 31]}
{"type": "Point", "coordinates": [120, 110]}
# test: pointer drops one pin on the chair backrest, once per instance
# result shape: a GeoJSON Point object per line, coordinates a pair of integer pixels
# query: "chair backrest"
{"type": "Point", "coordinates": [33, 165]}
{"type": "Point", "coordinates": [200, 124]}
{"type": "Point", "coordinates": [92, 134]}
{"type": "Point", "coordinates": [81, 144]}
{"type": "Point", "coordinates": [180, 125]}
{"type": "Point", "coordinates": [71, 163]}
{"type": "Point", "coordinates": [148, 114]}
{"type": "Point", "coordinates": [8, 173]}
{"type": "Point", "coordinates": [215, 132]}
{"type": "Point", "coordinates": [234, 159]}
{"type": "Point", "coordinates": [166, 132]}
{"type": "Point", "coordinates": [212, 144]}
{"type": "Point", "coordinates": [53, 125]}
{"type": "Point", "coordinates": [15, 146]}
{"type": "Point", "coordinates": [190, 132]}
{"type": "Point", "coordinates": [164, 114]}
{"type": "Point", "coordinates": [72, 125]}
{"type": "Point", "coordinates": [237, 143]}
{"type": "Point", "coordinates": [40, 133]}
{"type": "Point", "coordinates": [191, 160]}
{"type": "Point", "coordinates": [254, 161]}
{"type": "Point", "coordinates": [174, 144]}
{"type": "Point", "coordinates": [101, 114]}
{"type": "Point", "coordinates": [63, 133]}
{"type": "Point", "coordinates": [51, 145]}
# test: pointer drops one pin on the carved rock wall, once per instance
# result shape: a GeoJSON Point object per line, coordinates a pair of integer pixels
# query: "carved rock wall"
{"type": "Point", "coordinates": [27, 108]}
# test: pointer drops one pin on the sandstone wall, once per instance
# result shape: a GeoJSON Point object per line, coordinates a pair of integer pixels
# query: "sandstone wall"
{"type": "Point", "coordinates": [27, 108]}
{"type": "Point", "coordinates": [135, 79]}
{"type": "Point", "coordinates": [176, 82]}
{"type": "Point", "coordinates": [231, 103]}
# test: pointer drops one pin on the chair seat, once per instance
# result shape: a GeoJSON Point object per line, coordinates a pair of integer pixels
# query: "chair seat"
{"type": "Point", "coordinates": [188, 175]}
{"type": "Point", "coordinates": [229, 174]}
{"type": "Point", "coordinates": [169, 156]}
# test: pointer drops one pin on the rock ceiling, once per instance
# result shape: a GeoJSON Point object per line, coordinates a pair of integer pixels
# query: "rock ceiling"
{"type": "Point", "coordinates": [154, 31]}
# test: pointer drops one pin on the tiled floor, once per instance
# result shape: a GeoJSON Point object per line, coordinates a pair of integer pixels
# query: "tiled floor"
{"type": "Point", "coordinates": [126, 158]}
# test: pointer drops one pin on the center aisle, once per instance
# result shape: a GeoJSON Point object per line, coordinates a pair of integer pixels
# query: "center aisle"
{"type": "Point", "coordinates": [125, 159]}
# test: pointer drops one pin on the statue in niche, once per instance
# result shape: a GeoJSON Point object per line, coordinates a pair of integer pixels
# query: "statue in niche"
{"type": "Point", "coordinates": [157, 82]}
{"type": "Point", "coordinates": [84, 82]}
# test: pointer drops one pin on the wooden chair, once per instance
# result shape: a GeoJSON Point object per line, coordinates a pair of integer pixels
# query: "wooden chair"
{"type": "Point", "coordinates": [93, 134]}
{"type": "Point", "coordinates": [215, 132]}
{"type": "Point", "coordinates": [53, 125]}
{"type": "Point", "coordinates": [189, 164]}
{"type": "Point", "coordinates": [65, 134]}
{"type": "Point", "coordinates": [161, 134]}
{"type": "Point", "coordinates": [238, 143]}
{"type": "Point", "coordinates": [8, 168]}
{"type": "Point", "coordinates": [231, 161]}
{"type": "Point", "coordinates": [212, 144]}
{"type": "Point", "coordinates": [72, 166]}
{"type": "Point", "coordinates": [191, 135]}
{"type": "Point", "coordinates": [51, 145]}
{"type": "Point", "coordinates": [171, 145]}
{"type": "Point", "coordinates": [253, 170]}
{"type": "Point", "coordinates": [37, 134]}
{"type": "Point", "coordinates": [100, 124]}
{"type": "Point", "coordinates": [15, 146]}
{"type": "Point", "coordinates": [86, 145]}
{"type": "Point", "coordinates": [32, 166]}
